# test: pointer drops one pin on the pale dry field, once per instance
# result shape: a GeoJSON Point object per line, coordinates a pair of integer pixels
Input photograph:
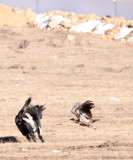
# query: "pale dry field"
{"type": "Point", "coordinates": [64, 72]}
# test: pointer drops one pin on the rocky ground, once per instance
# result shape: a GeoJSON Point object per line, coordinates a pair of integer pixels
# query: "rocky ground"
{"type": "Point", "coordinates": [63, 67]}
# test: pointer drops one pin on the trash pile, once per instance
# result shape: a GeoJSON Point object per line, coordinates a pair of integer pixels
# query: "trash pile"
{"type": "Point", "coordinates": [108, 27]}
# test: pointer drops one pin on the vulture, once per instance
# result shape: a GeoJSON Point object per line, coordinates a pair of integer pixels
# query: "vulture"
{"type": "Point", "coordinates": [83, 113]}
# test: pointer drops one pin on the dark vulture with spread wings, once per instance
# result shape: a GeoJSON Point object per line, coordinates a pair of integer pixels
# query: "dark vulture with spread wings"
{"type": "Point", "coordinates": [83, 112]}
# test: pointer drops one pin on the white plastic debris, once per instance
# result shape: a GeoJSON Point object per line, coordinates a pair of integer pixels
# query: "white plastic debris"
{"type": "Point", "coordinates": [44, 26]}
{"type": "Point", "coordinates": [124, 31]}
{"type": "Point", "coordinates": [24, 149]}
{"type": "Point", "coordinates": [86, 26]}
{"type": "Point", "coordinates": [17, 85]}
{"type": "Point", "coordinates": [109, 26]}
{"type": "Point", "coordinates": [19, 79]}
{"type": "Point", "coordinates": [104, 27]}
{"type": "Point", "coordinates": [114, 99]}
{"type": "Point", "coordinates": [95, 26]}
{"type": "Point", "coordinates": [56, 151]}
{"type": "Point", "coordinates": [69, 37]}
{"type": "Point", "coordinates": [54, 57]}
{"type": "Point", "coordinates": [42, 20]}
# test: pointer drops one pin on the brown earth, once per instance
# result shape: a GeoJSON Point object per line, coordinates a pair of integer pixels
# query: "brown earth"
{"type": "Point", "coordinates": [15, 16]}
{"type": "Point", "coordinates": [65, 68]}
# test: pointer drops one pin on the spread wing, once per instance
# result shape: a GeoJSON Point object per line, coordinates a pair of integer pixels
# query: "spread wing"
{"type": "Point", "coordinates": [86, 106]}
{"type": "Point", "coordinates": [75, 108]}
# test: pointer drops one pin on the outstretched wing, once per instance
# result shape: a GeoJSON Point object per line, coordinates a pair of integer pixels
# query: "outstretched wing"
{"type": "Point", "coordinates": [75, 108]}
{"type": "Point", "coordinates": [86, 106]}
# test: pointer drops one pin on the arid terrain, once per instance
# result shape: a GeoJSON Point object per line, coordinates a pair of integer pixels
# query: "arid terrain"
{"type": "Point", "coordinates": [61, 71]}
{"type": "Point", "coordinates": [60, 68]}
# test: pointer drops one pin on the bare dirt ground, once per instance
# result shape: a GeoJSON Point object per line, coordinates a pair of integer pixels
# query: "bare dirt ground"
{"type": "Point", "coordinates": [65, 71]}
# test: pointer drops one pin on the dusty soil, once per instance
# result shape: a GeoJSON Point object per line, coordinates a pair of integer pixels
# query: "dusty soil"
{"type": "Point", "coordinates": [15, 16]}
{"type": "Point", "coordinates": [65, 71]}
